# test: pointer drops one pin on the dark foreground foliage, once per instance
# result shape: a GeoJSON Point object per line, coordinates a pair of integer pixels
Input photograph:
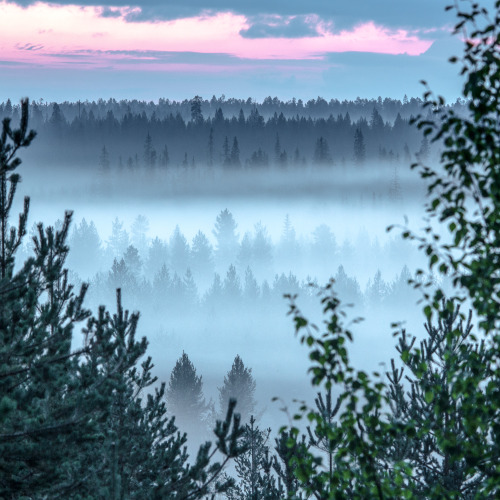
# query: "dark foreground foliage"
{"type": "Point", "coordinates": [79, 417]}
{"type": "Point", "coordinates": [86, 422]}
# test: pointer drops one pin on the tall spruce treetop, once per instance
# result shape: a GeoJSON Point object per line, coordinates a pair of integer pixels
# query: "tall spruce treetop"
{"type": "Point", "coordinates": [239, 384]}
{"type": "Point", "coordinates": [184, 395]}
{"type": "Point", "coordinates": [227, 238]}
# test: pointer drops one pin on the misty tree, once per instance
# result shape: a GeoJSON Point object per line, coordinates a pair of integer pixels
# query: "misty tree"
{"type": "Point", "coordinates": [322, 152]}
{"type": "Point", "coordinates": [424, 151]}
{"type": "Point", "coordinates": [376, 290]}
{"type": "Point", "coordinates": [288, 248]}
{"type": "Point", "coordinates": [359, 147]}
{"type": "Point", "coordinates": [185, 162]}
{"type": "Point", "coordinates": [245, 252]}
{"type": "Point", "coordinates": [232, 286]}
{"type": "Point", "coordinates": [226, 156]}
{"type": "Point", "coordinates": [133, 262]}
{"type": "Point", "coordinates": [251, 289]}
{"type": "Point", "coordinates": [395, 186]}
{"type": "Point", "coordinates": [104, 162]}
{"type": "Point", "coordinates": [120, 276]}
{"type": "Point", "coordinates": [399, 291]}
{"type": "Point", "coordinates": [149, 154]}
{"type": "Point", "coordinates": [164, 157]}
{"type": "Point", "coordinates": [179, 251]}
{"type": "Point", "coordinates": [347, 287]}
{"type": "Point", "coordinates": [226, 238]}
{"type": "Point", "coordinates": [262, 250]}
{"type": "Point", "coordinates": [162, 286]}
{"type": "Point", "coordinates": [196, 114]}
{"type": "Point", "coordinates": [214, 295]}
{"type": "Point", "coordinates": [210, 148]}
{"type": "Point", "coordinates": [377, 124]}
{"type": "Point", "coordinates": [139, 230]}
{"type": "Point", "coordinates": [190, 292]}
{"type": "Point", "coordinates": [235, 153]}
{"type": "Point", "coordinates": [184, 396]}
{"type": "Point", "coordinates": [86, 248]}
{"type": "Point", "coordinates": [56, 121]}
{"type": "Point", "coordinates": [277, 150]}
{"type": "Point", "coordinates": [239, 384]}
{"type": "Point", "coordinates": [202, 262]}
{"type": "Point", "coordinates": [157, 257]}
{"type": "Point", "coordinates": [324, 248]}
{"type": "Point", "coordinates": [258, 158]}
{"type": "Point", "coordinates": [119, 239]}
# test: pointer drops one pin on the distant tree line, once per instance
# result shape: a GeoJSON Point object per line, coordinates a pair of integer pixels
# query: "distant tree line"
{"type": "Point", "coordinates": [133, 135]}
{"type": "Point", "coordinates": [236, 273]}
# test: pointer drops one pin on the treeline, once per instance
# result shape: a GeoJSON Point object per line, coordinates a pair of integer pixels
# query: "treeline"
{"type": "Point", "coordinates": [213, 133]}
{"type": "Point", "coordinates": [236, 273]}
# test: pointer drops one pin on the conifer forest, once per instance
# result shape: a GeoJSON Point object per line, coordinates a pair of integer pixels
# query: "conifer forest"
{"type": "Point", "coordinates": [224, 298]}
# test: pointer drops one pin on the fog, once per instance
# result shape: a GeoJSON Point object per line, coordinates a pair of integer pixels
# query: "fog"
{"type": "Point", "coordinates": [292, 227]}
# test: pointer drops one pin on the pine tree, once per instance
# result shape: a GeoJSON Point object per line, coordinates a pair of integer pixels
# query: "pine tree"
{"type": "Point", "coordinates": [104, 162]}
{"type": "Point", "coordinates": [210, 154]}
{"type": "Point", "coordinates": [254, 468]}
{"type": "Point", "coordinates": [235, 153]}
{"type": "Point", "coordinates": [420, 405]}
{"type": "Point", "coordinates": [141, 454]}
{"type": "Point", "coordinates": [359, 147]}
{"type": "Point", "coordinates": [239, 384]}
{"type": "Point", "coordinates": [149, 152]}
{"type": "Point", "coordinates": [284, 465]}
{"type": "Point", "coordinates": [40, 380]}
{"type": "Point", "coordinates": [119, 239]}
{"type": "Point", "coordinates": [277, 150]}
{"type": "Point", "coordinates": [184, 395]}
{"type": "Point", "coordinates": [226, 237]}
{"type": "Point", "coordinates": [226, 156]}
{"type": "Point", "coordinates": [196, 114]}
{"type": "Point", "coordinates": [322, 152]}
{"type": "Point", "coordinates": [202, 261]}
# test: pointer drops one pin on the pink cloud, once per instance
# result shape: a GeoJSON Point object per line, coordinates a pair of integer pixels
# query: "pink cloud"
{"type": "Point", "coordinates": [68, 31]}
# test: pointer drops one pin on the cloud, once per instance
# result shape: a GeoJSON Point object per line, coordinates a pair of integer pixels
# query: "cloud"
{"type": "Point", "coordinates": [70, 29]}
{"type": "Point", "coordinates": [406, 14]}
{"type": "Point", "coordinates": [29, 46]}
{"type": "Point", "coordinates": [282, 27]}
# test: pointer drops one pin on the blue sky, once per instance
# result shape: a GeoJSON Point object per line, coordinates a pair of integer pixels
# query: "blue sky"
{"type": "Point", "coordinates": [152, 49]}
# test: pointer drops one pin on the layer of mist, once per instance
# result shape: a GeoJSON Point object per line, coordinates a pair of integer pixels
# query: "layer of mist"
{"type": "Point", "coordinates": [207, 255]}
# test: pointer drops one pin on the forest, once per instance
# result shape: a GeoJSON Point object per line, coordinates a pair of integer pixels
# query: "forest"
{"type": "Point", "coordinates": [85, 410]}
{"type": "Point", "coordinates": [232, 133]}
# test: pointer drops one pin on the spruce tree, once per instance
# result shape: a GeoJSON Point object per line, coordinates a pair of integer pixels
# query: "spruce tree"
{"type": "Point", "coordinates": [254, 468]}
{"type": "Point", "coordinates": [359, 147]}
{"type": "Point", "coordinates": [418, 398]}
{"type": "Point", "coordinates": [238, 384]}
{"type": "Point", "coordinates": [184, 395]}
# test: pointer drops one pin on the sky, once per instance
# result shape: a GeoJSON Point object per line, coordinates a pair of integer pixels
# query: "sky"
{"type": "Point", "coordinates": [238, 48]}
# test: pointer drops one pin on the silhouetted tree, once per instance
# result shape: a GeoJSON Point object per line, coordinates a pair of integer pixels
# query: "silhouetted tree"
{"type": "Point", "coordinates": [184, 395]}
{"type": "Point", "coordinates": [238, 384]}
{"type": "Point", "coordinates": [359, 147]}
{"type": "Point", "coordinates": [226, 237]}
